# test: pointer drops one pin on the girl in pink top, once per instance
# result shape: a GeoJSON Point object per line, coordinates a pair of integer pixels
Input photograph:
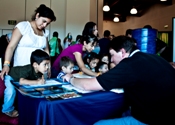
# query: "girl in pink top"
{"type": "Point", "coordinates": [76, 52]}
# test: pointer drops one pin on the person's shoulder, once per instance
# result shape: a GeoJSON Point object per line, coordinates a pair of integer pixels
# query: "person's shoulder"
{"type": "Point", "coordinates": [23, 23]}
{"type": "Point", "coordinates": [23, 26]}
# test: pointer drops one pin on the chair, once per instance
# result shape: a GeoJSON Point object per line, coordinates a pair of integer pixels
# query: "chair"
{"type": "Point", "coordinates": [4, 119]}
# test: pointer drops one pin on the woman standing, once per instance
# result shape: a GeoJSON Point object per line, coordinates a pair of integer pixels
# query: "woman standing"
{"type": "Point", "coordinates": [90, 28]}
{"type": "Point", "coordinates": [27, 37]}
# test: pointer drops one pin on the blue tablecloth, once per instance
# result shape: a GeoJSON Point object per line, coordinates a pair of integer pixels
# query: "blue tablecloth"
{"type": "Point", "coordinates": [84, 110]}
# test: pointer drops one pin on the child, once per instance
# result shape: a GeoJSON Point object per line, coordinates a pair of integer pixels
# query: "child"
{"type": "Point", "coordinates": [26, 75]}
{"type": "Point", "coordinates": [66, 65]}
{"type": "Point", "coordinates": [105, 58]}
{"type": "Point", "coordinates": [91, 60]}
{"type": "Point", "coordinates": [102, 67]}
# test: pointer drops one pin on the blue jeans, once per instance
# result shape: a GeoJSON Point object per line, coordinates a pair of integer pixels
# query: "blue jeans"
{"type": "Point", "coordinates": [128, 120]}
{"type": "Point", "coordinates": [9, 95]}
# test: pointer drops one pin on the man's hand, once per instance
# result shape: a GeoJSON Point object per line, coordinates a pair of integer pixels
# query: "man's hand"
{"type": "Point", "coordinates": [67, 77]}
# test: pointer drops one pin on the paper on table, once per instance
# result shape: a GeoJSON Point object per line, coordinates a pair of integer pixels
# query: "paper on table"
{"type": "Point", "coordinates": [71, 87]}
{"type": "Point", "coordinates": [49, 82]}
{"type": "Point", "coordinates": [117, 90]}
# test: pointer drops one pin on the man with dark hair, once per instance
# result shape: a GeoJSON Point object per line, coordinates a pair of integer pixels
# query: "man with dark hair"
{"type": "Point", "coordinates": [147, 79]}
{"type": "Point", "coordinates": [104, 43]}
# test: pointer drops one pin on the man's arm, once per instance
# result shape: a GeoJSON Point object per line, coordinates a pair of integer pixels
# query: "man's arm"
{"type": "Point", "coordinates": [84, 83]}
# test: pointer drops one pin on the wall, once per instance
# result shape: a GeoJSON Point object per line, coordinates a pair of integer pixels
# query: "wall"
{"type": "Point", "coordinates": [157, 16]}
{"type": "Point", "coordinates": [71, 14]}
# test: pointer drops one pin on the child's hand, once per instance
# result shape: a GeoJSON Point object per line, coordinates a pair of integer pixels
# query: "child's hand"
{"type": "Point", "coordinates": [41, 81]}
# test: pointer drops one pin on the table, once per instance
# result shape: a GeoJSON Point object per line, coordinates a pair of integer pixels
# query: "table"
{"type": "Point", "coordinates": [84, 110]}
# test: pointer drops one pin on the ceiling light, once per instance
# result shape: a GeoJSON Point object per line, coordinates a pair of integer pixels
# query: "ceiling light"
{"type": "Point", "coordinates": [133, 11]}
{"type": "Point", "coordinates": [163, 0]}
{"type": "Point", "coordinates": [116, 19]}
{"type": "Point", "coordinates": [106, 8]}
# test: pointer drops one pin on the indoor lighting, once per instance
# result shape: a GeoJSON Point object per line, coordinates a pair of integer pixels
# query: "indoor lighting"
{"type": "Point", "coordinates": [133, 11]}
{"type": "Point", "coordinates": [116, 19]}
{"type": "Point", "coordinates": [106, 8]}
{"type": "Point", "coordinates": [163, 0]}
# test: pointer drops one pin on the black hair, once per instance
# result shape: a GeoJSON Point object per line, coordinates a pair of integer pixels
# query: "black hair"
{"type": "Point", "coordinates": [3, 45]}
{"type": "Point", "coordinates": [55, 34]}
{"type": "Point", "coordinates": [88, 29]}
{"type": "Point", "coordinates": [122, 41]}
{"type": "Point", "coordinates": [44, 12]}
{"type": "Point", "coordinates": [107, 33]}
{"type": "Point", "coordinates": [65, 61]}
{"type": "Point", "coordinates": [38, 56]}
{"type": "Point", "coordinates": [148, 26]}
{"type": "Point", "coordinates": [88, 39]}
{"type": "Point", "coordinates": [91, 56]}
{"type": "Point", "coordinates": [100, 65]}
{"type": "Point", "coordinates": [78, 38]}
{"type": "Point", "coordinates": [128, 32]}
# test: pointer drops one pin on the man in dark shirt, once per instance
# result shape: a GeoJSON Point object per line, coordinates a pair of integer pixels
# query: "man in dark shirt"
{"type": "Point", "coordinates": [147, 79]}
{"type": "Point", "coordinates": [25, 75]}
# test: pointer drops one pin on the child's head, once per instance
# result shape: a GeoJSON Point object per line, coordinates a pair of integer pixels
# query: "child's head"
{"type": "Point", "coordinates": [102, 67]}
{"type": "Point", "coordinates": [91, 59]}
{"type": "Point", "coordinates": [66, 64]}
{"type": "Point", "coordinates": [88, 42]}
{"type": "Point", "coordinates": [105, 58]}
{"type": "Point", "coordinates": [40, 60]}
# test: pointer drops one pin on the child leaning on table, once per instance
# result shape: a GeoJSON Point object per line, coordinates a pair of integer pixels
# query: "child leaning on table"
{"type": "Point", "coordinates": [67, 66]}
{"type": "Point", "coordinates": [26, 75]}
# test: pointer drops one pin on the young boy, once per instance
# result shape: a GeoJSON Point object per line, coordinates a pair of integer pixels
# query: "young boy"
{"type": "Point", "coordinates": [26, 75]}
{"type": "Point", "coordinates": [102, 67]}
{"type": "Point", "coordinates": [67, 66]}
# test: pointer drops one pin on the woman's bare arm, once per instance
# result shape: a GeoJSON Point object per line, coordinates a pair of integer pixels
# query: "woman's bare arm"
{"type": "Point", "coordinates": [81, 65]}
{"type": "Point", "coordinates": [16, 36]}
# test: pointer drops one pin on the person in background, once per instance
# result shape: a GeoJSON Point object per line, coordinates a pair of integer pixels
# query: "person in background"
{"type": "Point", "coordinates": [27, 37]}
{"type": "Point", "coordinates": [3, 45]}
{"type": "Point", "coordinates": [128, 33]}
{"type": "Point", "coordinates": [59, 44]}
{"type": "Point", "coordinates": [91, 60]}
{"type": "Point", "coordinates": [53, 44]}
{"type": "Point", "coordinates": [78, 39]}
{"type": "Point", "coordinates": [90, 29]}
{"type": "Point", "coordinates": [66, 65]}
{"type": "Point", "coordinates": [76, 52]}
{"type": "Point", "coordinates": [111, 37]}
{"type": "Point", "coordinates": [30, 74]}
{"type": "Point", "coordinates": [104, 43]}
{"type": "Point", "coordinates": [67, 40]}
{"type": "Point", "coordinates": [147, 79]}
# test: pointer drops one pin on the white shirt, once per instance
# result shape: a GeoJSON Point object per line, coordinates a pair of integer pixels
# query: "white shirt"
{"type": "Point", "coordinates": [28, 43]}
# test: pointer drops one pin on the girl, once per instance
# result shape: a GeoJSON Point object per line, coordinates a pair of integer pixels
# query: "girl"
{"type": "Point", "coordinates": [91, 60]}
{"type": "Point", "coordinates": [90, 28]}
{"type": "Point", "coordinates": [76, 52]}
{"type": "Point", "coordinates": [105, 58]}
